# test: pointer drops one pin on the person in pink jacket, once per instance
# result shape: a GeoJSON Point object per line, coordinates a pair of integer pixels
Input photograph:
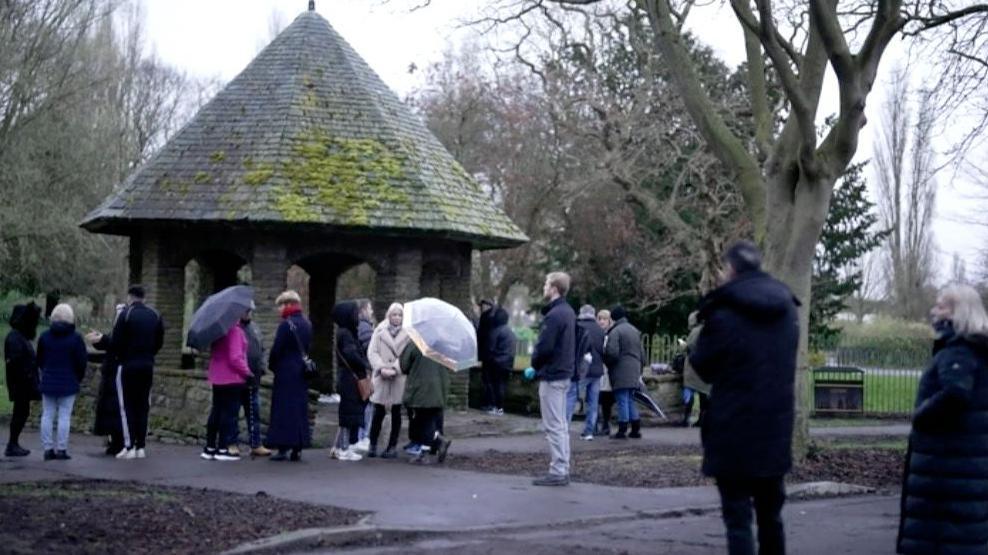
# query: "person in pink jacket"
{"type": "Point", "coordinates": [228, 374]}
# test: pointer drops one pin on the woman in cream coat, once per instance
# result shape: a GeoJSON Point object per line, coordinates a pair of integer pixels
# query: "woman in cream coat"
{"type": "Point", "coordinates": [385, 348]}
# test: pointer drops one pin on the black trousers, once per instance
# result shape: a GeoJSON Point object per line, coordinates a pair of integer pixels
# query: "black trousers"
{"type": "Point", "coordinates": [134, 385]}
{"type": "Point", "coordinates": [736, 497]}
{"type": "Point", "coordinates": [426, 424]}
{"type": "Point", "coordinates": [22, 409]}
{"type": "Point", "coordinates": [606, 400]}
{"type": "Point", "coordinates": [223, 415]}
{"type": "Point", "coordinates": [498, 381]}
{"type": "Point", "coordinates": [378, 420]}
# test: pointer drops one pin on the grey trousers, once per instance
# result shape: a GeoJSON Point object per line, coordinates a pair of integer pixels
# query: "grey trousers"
{"type": "Point", "coordinates": [552, 404]}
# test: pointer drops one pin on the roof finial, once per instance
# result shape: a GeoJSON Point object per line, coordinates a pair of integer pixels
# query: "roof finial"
{"type": "Point", "coordinates": [312, 5]}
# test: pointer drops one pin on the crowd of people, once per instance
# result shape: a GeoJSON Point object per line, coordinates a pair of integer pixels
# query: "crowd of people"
{"type": "Point", "coordinates": [740, 361]}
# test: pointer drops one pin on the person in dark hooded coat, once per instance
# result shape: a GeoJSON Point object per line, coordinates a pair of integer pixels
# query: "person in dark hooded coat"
{"type": "Point", "coordinates": [22, 372]}
{"type": "Point", "coordinates": [945, 487]}
{"type": "Point", "coordinates": [289, 425]}
{"type": "Point", "coordinates": [352, 365]}
{"type": "Point", "coordinates": [747, 353]}
{"type": "Point", "coordinates": [499, 358]}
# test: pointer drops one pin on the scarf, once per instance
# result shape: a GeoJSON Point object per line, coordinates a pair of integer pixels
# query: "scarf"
{"type": "Point", "coordinates": [393, 330]}
{"type": "Point", "coordinates": [289, 309]}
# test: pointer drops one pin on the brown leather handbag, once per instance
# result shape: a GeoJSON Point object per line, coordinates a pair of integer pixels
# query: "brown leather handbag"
{"type": "Point", "coordinates": [364, 386]}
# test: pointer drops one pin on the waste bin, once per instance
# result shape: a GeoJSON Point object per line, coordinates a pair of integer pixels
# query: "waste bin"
{"type": "Point", "coordinates": [838, 390]}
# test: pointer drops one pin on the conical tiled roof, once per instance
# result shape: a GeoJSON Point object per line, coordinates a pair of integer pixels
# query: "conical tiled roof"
{"type": "Point", "coordinates": [308, 133]}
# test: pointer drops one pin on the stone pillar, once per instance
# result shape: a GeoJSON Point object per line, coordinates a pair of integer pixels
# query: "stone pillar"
{"type": "Point", "coordinates": [322, 297]}
{"type": "Point", "coordinates": [163, 273]}
{"type": "Point", "coordinates": [398, 279]}
{"type": "Point", "coordinates": [269, 269]}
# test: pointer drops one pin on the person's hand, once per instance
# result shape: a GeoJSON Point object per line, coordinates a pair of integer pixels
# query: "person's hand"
{"type": "Point", "coordinates": [94, 336]}
{"type": "Point", "coordinates": [529, 373]}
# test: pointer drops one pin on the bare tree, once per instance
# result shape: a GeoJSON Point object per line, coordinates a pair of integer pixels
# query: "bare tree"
{"type": "Point", "coordinates": [906, 188]}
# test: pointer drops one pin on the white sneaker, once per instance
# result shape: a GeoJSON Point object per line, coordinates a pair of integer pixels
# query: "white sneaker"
{"type": "Point", "coordinates": [141, 454]}
{"type": "Point", "coordinates": [334, 453]}
{"type": "Point", "coordinates": [127, 454]}
{"type": "Point", "coordinates": [348, 455]}
{"type": "Point", "coordinates": [587, 437]}
{"type": "Point", "coordinates": [362, 446]}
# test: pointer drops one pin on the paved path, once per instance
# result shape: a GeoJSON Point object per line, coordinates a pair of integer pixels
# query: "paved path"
{"type": "Point", "coordinates": [858, 525]}
{"type": "Point", "coordinates": [401, 495]}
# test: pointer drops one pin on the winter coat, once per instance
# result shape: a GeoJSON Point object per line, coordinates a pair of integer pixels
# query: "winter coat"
{"type": "Point", "coordinates": [384, 352]}
{"type": "Point", "coordinates": [228, 359]}
{"type": "Point", "coordinates": [289, 423]}
{"type": "Point", "coordinates": [554, 356]}
{"type": "Point", "coordinates": [19, 355]}
{"type": "Point", "coordinates": [138, 335]}
{"type": "Point", "coordinates": [485, 324]}
{"type": "Point", "coordinates": [61, 360]}
{"type": "Point", "coordinates": [351, 364]}
{"type": "Point", "coordinates": [107, 421]}
{"type": "Point", "coordinates": [365, 331]}
{"type": "Point", "coordinates": [428, 381]}
{"type": "Point", "coordinates": [945, 490]}
{"type": "Point", "coordinates": [623, 355]}
{"type": "Point", "coordinates": [747, 353]}
{"type": "Point", "coordinates": [255, 351]}
{"type": "Point", "coordinates": [690, 378]}
{"type": "Point", "coordinates": [589, 341]}
{"type": "Point", "coordinates": [501, 344]}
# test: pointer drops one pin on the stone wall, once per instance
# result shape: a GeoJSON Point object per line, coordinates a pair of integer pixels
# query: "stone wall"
{"type": "Point", "coordinates": [180, 402]}
{"type": "Point", "coordinates": [522, 396]}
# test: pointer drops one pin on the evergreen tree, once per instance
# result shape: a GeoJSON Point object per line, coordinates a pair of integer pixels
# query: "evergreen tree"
{"type": "Point", "coordinates": [847, 236]}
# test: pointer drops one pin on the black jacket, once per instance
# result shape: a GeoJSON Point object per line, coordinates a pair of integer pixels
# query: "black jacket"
{"type": "Point", "coordinates": [589, 339]}
{"type": "Point", "coordinates": [554, 357]}
{"type": "Point", "coordinates": [485, 325]}
{"type": "Point", "coordinates": [945, 490]}
{"type": "Point", "coordinates": [747, 352]}
{"type": "Point", "coordinates": [500, 355]}
{"type": "Point", "coordinates": [137, 336]}
{"type": "Point", "coordinates": [19, 355]}
{"type": "Point", "coordinates": [289, 423]}
{"type": "Point", "coordinates": [351, 364]}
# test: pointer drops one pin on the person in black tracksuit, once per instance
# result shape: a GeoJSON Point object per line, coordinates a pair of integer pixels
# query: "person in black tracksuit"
{"type": "Point", "coordinates": [499, 359]}
{"type": "Point", "coordinates": [137, 337]}
{"type": "Point", "coordinates": [22, 372]}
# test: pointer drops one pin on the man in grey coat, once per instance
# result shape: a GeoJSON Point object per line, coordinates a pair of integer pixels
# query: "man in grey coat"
{"type": "Point", "coordinates": [624, 359]}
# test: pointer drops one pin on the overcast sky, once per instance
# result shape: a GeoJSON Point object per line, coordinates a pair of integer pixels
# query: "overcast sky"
{"type": "Point", "coordinates": [218, 38]}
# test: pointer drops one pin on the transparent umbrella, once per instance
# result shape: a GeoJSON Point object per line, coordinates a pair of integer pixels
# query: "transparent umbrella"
{"type": "Point", "coordinates": [442, 332]}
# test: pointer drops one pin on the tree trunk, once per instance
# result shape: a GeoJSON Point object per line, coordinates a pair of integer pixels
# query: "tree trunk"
{"type": "Point", "coordinates": [793, 230]}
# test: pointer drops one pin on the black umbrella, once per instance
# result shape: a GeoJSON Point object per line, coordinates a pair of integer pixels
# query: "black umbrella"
{"type": "Point", "coordinates": [642, 398]}
{"type": "Point", "coordinates": [218, 314]}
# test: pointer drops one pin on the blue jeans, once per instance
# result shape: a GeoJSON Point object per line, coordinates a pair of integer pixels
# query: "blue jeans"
{"type": "Point", "coordinates": [627, 409]}
{"type": "Point", "coordinates": [49, 406]}
{"type": "Point", "coordinates": [592, 388]}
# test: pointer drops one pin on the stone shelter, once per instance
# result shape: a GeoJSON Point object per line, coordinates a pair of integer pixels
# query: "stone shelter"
{"type": "Point", "coordinates": [306, 159]}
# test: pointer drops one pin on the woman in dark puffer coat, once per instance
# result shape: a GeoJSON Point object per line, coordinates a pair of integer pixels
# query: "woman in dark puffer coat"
{"type": "Point", "coordinates": [352, 365]}
{"type": "Point", "coordinates": [945, 489]}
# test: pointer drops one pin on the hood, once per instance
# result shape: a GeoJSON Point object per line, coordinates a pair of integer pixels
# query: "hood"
{"type": "Point", "coordinates": [500, 317]}
{"type": "Point", "coordinates": [587, 319]}
{"type": "Point", "coordinates": [25, 318]}
{"type": "Point", "coordinates": [754, 294]}
{"type": "Point", "coordinates": [347, 315]}
{"type": "Point", "coordinates": [61, 328]}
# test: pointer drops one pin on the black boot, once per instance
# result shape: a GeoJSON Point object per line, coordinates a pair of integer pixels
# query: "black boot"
{"type": "Point", "coordinates": [636, 429]}
{"type": "Point", "coordinates": [622, 431]}
{"type": "Point", "coordinates": [15, 450]}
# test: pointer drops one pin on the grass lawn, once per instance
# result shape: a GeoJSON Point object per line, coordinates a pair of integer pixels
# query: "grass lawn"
{"type": "Point", "coordinates": [892, 393]}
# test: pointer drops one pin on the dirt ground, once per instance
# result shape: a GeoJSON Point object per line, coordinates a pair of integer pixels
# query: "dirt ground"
{"type": "Point", "coordinates": [876, 462]}
{"type": "Point", "coordinates": [91, 516]}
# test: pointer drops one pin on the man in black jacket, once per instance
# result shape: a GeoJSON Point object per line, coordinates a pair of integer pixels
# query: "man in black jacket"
{"type": "Point", "coordinates": [554, 360]}
{"type": "Point", "coordinates": [589, 369]}
{"type": "Point", "coordinates": [747, 352]}
{"type": "Point", "coordinates": [137, 337]}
